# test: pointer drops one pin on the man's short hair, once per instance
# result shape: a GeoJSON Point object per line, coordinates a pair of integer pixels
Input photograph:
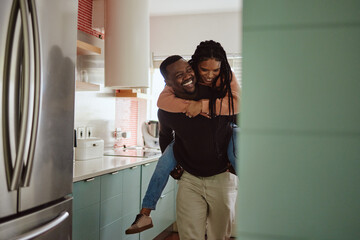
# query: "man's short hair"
{"type": "Point", "coordinates": [169, 60]}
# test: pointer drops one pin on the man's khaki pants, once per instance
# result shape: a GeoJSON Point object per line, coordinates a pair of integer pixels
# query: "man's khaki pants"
{"type": "Point", "coordinates": [206, 204]}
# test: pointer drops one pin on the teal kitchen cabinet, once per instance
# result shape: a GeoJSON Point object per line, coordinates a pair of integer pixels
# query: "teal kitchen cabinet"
{"type": "Point", "coordinates": [120, 201]}
{"type": "Point", "coordinates": [131, 199]}
{"type": "Point", "coordinates": [86, 209]}
{"type": "Point", "coordinates": [105, 206]}
{"type": "Point", "coordinates": [164, 215]}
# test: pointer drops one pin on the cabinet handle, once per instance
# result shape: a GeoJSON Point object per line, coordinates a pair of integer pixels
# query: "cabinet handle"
{"type": "Point", "coordinates": [113, 173]}
{"type": "Point", "coordinates": [146, 164]}
{"type": "Point", "coordinates": [133, 167]}
{"type": "Point", "coordinates": [90, 179]}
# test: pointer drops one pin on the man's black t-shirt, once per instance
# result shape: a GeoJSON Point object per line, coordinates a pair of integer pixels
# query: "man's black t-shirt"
{"type": "Point", "coordinates": [200, 142]}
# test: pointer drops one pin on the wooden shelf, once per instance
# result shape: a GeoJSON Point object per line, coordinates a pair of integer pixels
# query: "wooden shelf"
{"type": "Point", "coordinates": [131, 94]}
{"type": "Point", "coordinates": [84, 86]}
{"type": "Point", "coordinates": [84, 48]}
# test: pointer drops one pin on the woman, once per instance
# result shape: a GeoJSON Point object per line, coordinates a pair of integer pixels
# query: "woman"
{"type": "Point", "coordinates": [213, 72]}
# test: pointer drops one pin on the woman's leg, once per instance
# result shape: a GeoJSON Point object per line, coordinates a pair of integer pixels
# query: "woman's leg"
{"type": "Point", "coordinates": [165, 165]}
{"type": "Point", "coordinates": [232, 153]}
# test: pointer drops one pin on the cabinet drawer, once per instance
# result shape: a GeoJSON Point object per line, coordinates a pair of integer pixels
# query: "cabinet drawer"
{"type": "Point", "coordinates": [147, 171]}
{"type": "Point", "coordinates": [86, 223]}
{"type": "Point", "coordinates": [165, 213]}
{"type": "Point", "coordinates": [111, 185]}
{"type": "Point", "coordinates": [110, 210]}
{"type": "Point", "coordinates": [112, 231]}
{"type": "Point", "coordinates": [116, 230]}
{"type": "Point", "coordinates": [126, 222]}
{"type": "Point", "coordinates": [162, 217]}
{"type": "Point", "coordinates": [86, 193]}
{"type": "Point", "coordinates": [131, 190]}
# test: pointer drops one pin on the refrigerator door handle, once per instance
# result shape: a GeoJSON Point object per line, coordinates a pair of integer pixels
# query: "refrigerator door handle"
{"type": "Point", "coordinates": [44, 228]}
{"type": "Point", "coordinates": [15, 181]}
{"type": "Point", "coordinates": [37, 95]}
{"type": "Point", "coordinates": [9, 131]}
{"type": "Point", "coordinates": [13, 173]}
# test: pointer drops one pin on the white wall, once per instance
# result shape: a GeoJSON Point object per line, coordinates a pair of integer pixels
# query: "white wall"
{"type": "Point", "coordinates": [180, 34]}
{"type": "Point", "coordinates": [97, 110]}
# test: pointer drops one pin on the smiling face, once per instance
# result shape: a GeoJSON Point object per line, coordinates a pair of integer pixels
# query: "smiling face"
{"type": "Point", "coordinates": [181, 77]}
{"type": "Point", "coordinates": [209, 70]}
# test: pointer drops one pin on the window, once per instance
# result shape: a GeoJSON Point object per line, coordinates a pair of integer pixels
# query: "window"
{"type": "Point", "coordinates": [157, 84]}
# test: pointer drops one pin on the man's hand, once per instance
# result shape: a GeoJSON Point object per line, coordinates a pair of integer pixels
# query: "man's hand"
{"type": "Point", "coordinates": [194, 108]}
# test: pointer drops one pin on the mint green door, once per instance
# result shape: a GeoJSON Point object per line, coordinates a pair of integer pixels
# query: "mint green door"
{"type": "Point", "coordinates": [300, 120]}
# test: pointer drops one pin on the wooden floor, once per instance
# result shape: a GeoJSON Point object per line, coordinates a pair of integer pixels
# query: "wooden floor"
{"type": "Point", "coordinates": [175, 236]}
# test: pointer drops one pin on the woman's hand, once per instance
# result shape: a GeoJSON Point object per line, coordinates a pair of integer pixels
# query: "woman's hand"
{"type": "Point", "coordinates": [194, 108]}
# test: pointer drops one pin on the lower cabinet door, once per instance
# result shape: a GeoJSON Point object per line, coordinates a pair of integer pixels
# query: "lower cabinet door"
{"type": "Point", "coordinates": [86, 209]}
{"type": "Point", "coordinates": [131, 190]}
{"type": "Point", "coordinates": [86, 223]}
{"type": "Point", "coordinates": [127, 221]}
{"type": "Point", "coordinates": [86, 193]}
{"type": "Point", "coordinates": [162, 217]}
{"type": "Point", "coordinates": [116, 230]}
{"type": "Point", "coordinates": [112, 231]}
{"type": "Point", "coordinates": [146, 174]}
{"type": "Point", "coordinates": [110, 210]}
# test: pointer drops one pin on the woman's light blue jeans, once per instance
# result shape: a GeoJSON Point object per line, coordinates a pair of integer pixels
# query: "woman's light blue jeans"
{"type": "Point", "coordinates": [166, 164]}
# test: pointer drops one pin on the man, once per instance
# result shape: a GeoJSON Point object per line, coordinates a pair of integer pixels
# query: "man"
{"type": "Point", "coordinates": [207, 190]}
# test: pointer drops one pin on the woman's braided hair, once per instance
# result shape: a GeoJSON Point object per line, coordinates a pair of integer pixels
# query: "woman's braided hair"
{"type": "Point", "coordinates": [207, 50]}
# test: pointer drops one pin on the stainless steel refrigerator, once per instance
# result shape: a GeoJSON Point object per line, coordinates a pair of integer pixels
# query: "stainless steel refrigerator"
{"type": "Point", "coordinates": [37, 71]}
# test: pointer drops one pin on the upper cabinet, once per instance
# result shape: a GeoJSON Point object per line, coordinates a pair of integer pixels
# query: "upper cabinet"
{"type": "Point", "coordinates": [127, 44]}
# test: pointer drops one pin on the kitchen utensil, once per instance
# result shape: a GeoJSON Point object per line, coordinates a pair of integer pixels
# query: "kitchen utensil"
{"type": "Point", "coordinates": [153, 128]}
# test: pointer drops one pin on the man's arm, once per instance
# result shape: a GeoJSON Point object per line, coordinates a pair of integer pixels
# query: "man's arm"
{"type": "Point", "coordinates": [166, 132]}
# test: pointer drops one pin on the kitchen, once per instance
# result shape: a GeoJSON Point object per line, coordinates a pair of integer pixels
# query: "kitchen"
{"type": "Point", "coordinates": [106, 114]}
{"type": "Point", "coordinates": [309, 158]}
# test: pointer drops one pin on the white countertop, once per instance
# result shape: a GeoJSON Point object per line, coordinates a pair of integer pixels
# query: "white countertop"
{"type": "Point", "coordinates": [107, 164]}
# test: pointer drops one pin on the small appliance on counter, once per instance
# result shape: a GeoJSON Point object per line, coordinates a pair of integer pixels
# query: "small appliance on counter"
{"type": "Point", "coordinates": [89, 148]}
{"type": "Point", "coordinates": [150, 131]}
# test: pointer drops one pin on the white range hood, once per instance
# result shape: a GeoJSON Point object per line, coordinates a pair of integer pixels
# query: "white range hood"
{"type": "Point", "coordinates": [127, 44]}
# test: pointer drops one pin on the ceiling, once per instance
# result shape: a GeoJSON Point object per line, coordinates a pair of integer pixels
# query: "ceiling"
{"type": "Point", "coordinates": [183, 7]}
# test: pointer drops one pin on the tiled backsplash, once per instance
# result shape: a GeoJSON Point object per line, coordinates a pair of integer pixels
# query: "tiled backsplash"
{"type": "Point", "coordinates": [104, 113]}
{"type": "Point", "coordinates": [126, 118]}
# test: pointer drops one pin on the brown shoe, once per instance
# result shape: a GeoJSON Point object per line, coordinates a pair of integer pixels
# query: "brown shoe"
{"type": "Point", "coordinates": [141, 223]}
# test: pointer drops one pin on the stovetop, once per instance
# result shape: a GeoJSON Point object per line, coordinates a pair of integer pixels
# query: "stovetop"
{"type": "Point", "coordinates": [139, 152]}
